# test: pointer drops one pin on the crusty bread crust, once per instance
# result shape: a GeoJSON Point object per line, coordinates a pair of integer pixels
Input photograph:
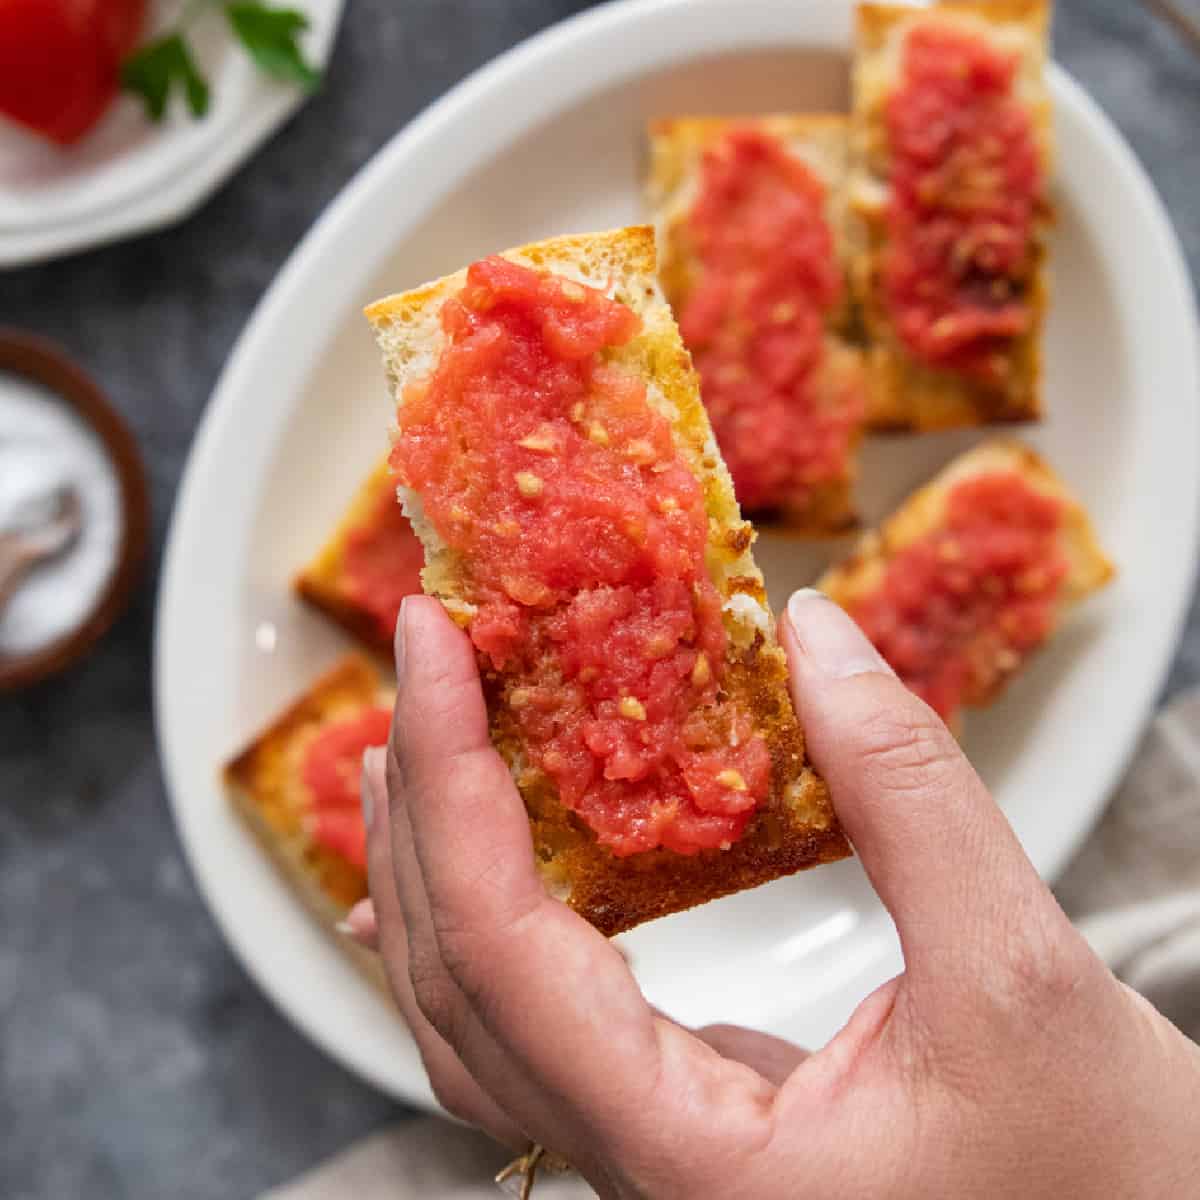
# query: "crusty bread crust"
{"type": "Point", "coordinates": [820, 140]}
{"type": "Point", "coordinates": [796, 828]}
{"type": "Point", "coordinates": [267, 793]}
{"type": "Point", "coordinates": [924, 511]}
{"type": "Point", "coordinates": [321, 582]}
{"type": "Point", "coordinates": [905, 393]}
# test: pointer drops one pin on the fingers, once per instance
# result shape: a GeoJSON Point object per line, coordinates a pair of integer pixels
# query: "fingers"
{"type": "Point", "coordinates": [453, 1085]}
{"type": "Point", "coordinates": [522, 960]}
{"type": "Point", "coordinates": [939, 852]}
{"type": "Point", "coordinates": [438, 997]}
{"type": "Point", "coordinates": [447, 787]}
{"type": "Point", "coordinates": [541, 1009]}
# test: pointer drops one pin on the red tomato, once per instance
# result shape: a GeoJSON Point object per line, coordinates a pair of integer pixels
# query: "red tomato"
{"type": "Point", "coordinates": [59, 61]}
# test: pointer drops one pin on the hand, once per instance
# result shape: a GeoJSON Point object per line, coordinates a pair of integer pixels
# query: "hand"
{"type": "Point", "coordinates": [1005, 1061]}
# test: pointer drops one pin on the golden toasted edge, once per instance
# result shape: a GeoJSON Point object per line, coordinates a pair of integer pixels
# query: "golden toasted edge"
{"type": "Point", "coordinates": [676, 143]}
{"type": "Point", "coordinates": [617, 899]}
{"type": "Point", "coordinates": [797, 828]}
{"type": "Point", "coordinates": [320, 582]}
{"type": "Point", "coordinates": [635, 243]}
{"type": "Point", "coordinates": [904, 394]}
{"type": "Point", "coordinates": [922, 512]}
{"type": "Point", "coordinates": [256, 798]}
{"type": "Point", "coordinates": [873, 22]}
{"type": "Point", "coordinates": [701, 127]}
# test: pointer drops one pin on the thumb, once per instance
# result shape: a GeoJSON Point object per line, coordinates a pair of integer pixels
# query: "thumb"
{"type": "Point", "coordinates": [938, 850]}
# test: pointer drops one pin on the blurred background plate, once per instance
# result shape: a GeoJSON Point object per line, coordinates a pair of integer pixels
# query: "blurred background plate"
{"type": "Point", "coordinates": [547, 139]}
{"type": "Point", "coordinates": [128, 175]}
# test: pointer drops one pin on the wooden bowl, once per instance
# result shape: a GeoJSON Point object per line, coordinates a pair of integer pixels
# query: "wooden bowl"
{"type": "Point", "coordinates": [45, 363]}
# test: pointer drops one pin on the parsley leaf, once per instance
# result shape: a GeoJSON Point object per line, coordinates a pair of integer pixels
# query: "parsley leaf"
{"type": "Point", "coordinates": [157, 69]}
{"type": "Point", "coordinates": [270, 36]}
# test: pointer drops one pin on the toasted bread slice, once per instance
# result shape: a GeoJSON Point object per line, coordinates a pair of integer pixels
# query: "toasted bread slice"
{"type": "Point", "coordinates": [820, 141]}
{"type": "Point", "coordinates": [923, 514]}
{"type": "Point", "coordinates": [394, 555]}
{"type": "Point", "coordinates": [795, 827]}
{"type": "Point", "coordinates": [906, 392]}
{"type": "Point", "coordinates": [268, 791]}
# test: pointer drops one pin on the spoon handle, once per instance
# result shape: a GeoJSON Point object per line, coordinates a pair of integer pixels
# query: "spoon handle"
{"type": "Point", "coordinates": [15, 563]}
{"type": "Point", "coordinates": [1187, 26]}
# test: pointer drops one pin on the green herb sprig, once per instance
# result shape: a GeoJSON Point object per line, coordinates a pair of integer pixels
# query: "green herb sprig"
{"type": "Point", "coordinates": [165, 65]}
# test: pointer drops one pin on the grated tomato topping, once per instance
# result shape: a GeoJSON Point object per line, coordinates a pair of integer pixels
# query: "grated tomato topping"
{"type": "Point", "coordinates": [784, 409]}
{"type": "Point", "coordinates": [965, 185]}
{"type": "Point", "coordinates": [331, 772]}
{"type": "Point", "coordinates": [381, 561]}
{"type": "Point", "coordinates": [959, 609]}
{"type": "Point", "coordinates": [549, 470]}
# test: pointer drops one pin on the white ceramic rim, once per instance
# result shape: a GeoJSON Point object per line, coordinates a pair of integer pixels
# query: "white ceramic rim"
{"type": "Point", "coordinates": [500, 102]}
{"type": "Point", "coordinates": [188, 163]}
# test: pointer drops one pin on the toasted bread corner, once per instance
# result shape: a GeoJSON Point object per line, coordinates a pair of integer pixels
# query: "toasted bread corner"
{"type": "Point", "coordinates": [320, 582]}
{"type": "Point", "coordinates": [262, 783]}
{"type": "Point", "coordinates": [1089, 567]}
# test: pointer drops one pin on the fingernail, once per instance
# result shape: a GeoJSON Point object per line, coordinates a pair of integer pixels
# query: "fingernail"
{"type": "Point", "coordinates": [357, 936]}
{"type": "Point", "coordinates": [359, 923]}
{"type": "Point", "coordinates": [830, 639]}
{"type": "Point", "coordinates": [398, 641]}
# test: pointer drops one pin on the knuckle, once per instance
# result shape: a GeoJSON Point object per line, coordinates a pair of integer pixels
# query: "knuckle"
{"type": "Point", "coordinates": [468, 954]}
{"type": "Point", "coordinates": [905, 750]}
{"type": "Point", "coordinates": [1016, 1008]}
{"type": "Point", "coordinates": [1047, 966]}
{"type": "Point", "coordinates": [465, 942]}
{"type": "Point", "coordinates": [449, 1092]}
{"type": "Point", "coordinates": [394, 764]}
{"type": "Point", "coordinates": [1044, 964]}
{"type": "Point", "coordinates": [458, 951]}
{"type": "Point", "coordinates": [437, 999]}
{"type": "Point", "coordinates": [465, 965]}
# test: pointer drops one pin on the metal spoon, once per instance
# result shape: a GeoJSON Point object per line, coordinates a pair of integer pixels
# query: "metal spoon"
{"type": "Point", "coordinates": [40, 530]}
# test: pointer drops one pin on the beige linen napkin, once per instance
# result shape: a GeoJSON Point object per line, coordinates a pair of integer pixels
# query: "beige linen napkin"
{"type": "Point", "coordinates": [1134, 891]}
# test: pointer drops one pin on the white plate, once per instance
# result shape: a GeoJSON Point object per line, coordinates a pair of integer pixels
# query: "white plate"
{"type": "Point", "coordinates": [546, 140]}
{"type": "Point", "coordinates": [128, 175]}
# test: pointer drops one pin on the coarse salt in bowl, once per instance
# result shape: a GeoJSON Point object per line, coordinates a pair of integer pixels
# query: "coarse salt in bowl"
{"type": "Point", "coordinates": [57, 431]}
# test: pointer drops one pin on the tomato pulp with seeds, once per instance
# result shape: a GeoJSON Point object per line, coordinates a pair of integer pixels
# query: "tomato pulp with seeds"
{"type": "Point", "coordinates": [382, 560]}
{"type": "Point", "coordinates": [965, 185]}
{"type": "Point", "coordinates": [547, 468]}
{"type": "Point", "coordinates": [784, 410]}
{"type": "Point", "coordinates": [959, 609]}
{"type": "Point", "coordinates": [332, 771]}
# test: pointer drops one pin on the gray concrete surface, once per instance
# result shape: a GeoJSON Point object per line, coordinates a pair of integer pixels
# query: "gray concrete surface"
{"type": "Point", "coordinates": [137, 1061]}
